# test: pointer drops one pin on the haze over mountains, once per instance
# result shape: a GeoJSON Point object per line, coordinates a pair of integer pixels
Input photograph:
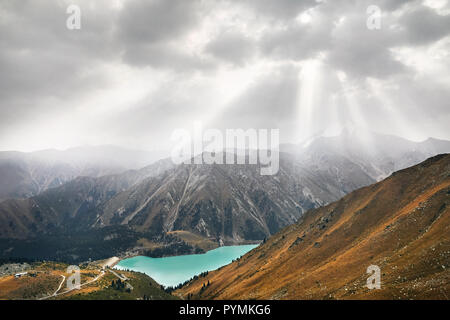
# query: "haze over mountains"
{"type": "Point", "coordinates": [400, 225]}
{"type": "Point", "coordinates": [24, 175]}
{"type": "Point", "coordinates": [72, 204]}
{"type": "Point", "coordinates": [224, 203]}
{"type": "Point", "coordinates": [377, 154]}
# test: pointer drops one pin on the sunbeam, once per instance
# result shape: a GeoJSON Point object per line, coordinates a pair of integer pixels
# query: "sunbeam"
{"type": "Point", "coordinates": [309, 82]}
{"type": "Point", "coordinates": [355, 118]}
{"type": "Point", "coordinates": [398, 120]}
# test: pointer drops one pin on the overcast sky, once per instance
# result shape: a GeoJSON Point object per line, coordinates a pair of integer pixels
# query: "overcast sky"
{"type": "Point", "coordinates": [137, 70]}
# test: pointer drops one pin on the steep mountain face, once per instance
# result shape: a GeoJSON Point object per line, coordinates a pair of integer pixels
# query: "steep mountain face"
{"type": "Point", "coordinates": [72, 206]}
{"type": "Point", "coordinates": [229, 202]}
{"type": "Point", "coordinates": [401, 225]}
{"type": "Point", "coordinates": [221, 203]}
{"type": "Point", "coordinates": [24, 175]}
{"type": "Point", "coordinates": [233, 203]}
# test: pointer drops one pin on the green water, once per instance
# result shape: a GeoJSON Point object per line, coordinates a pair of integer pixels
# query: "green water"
{"type": "Point", "coordinates": [171, 271]}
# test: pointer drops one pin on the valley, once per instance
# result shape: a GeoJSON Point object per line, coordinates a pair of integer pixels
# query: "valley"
{"type": "Point", "coordinates": [213, 204]}
{"type": "Point", "coordinates": [322, 219]}
{"type": "Point", "coordinates": [400, 224]}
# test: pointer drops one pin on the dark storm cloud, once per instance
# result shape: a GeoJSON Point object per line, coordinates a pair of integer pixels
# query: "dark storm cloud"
{"type": "Point", "coordinates": [424, 25]}
{"type": "Point", "coordinates": [350, 45]}
{"type": "Point", "coordinates": [48, 70]}
{"type": "Point", "coordinates": [272, 96]}
{"type": "Point", "coordinates": [158, 20]}
{"type": "Point", "coordinates": [232, 47]}
{"type": "Point", "coordinates": [281, 9]}
{"type": "Point", "coordinates": [41, 61]}
{"type": "Point", "coordinates": [165, 56]}
{"type": "Point", "coordinates": [362, 52]}
{"type": "Point", "coordinates": [149, 31]}
{"type": "Point", "coordinates": [297, 41]}
{"type": "Point", "coordinates": [392, 5]}
{"type": "Point", "coordinates": [368, 53]}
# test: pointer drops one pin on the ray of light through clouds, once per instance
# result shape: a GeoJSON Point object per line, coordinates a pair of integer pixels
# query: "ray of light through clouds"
{"type": "Point", "coordinates": [137, 70]}
{"type": "Point", "coordinates": [309, 87]}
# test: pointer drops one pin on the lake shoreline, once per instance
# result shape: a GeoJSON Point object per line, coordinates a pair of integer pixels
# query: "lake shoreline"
{"type": "Point", "coordinates": [227, 244]}
{"type": "Point", "coordinates": [174, 270]}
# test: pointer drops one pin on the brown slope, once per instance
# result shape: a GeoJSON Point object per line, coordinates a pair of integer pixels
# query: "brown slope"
{"type": "Point", "coordinates": [400, 224]}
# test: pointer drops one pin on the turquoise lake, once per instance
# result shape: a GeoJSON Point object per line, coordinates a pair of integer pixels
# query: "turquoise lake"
{"type": "Point", "coordinates": [171, 271]}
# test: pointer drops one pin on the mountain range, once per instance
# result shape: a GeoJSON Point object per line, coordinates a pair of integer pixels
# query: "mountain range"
{"type": "Point", "coordinates": [225, 204]}
{"type": "Point", "coordinates": [399, 225]}
{"type": "Point", "coordinates": [377, 154]}
{"type": "Point", "coordinates": [23, 175]}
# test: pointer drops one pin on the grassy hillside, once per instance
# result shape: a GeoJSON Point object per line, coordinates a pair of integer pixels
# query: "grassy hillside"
{"type": "Point", "coordinates": [44, 279]}
{"type": "Point", "coordinates": [110, 288]}
{"type": "Point", "coordinates": [401, 224]}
